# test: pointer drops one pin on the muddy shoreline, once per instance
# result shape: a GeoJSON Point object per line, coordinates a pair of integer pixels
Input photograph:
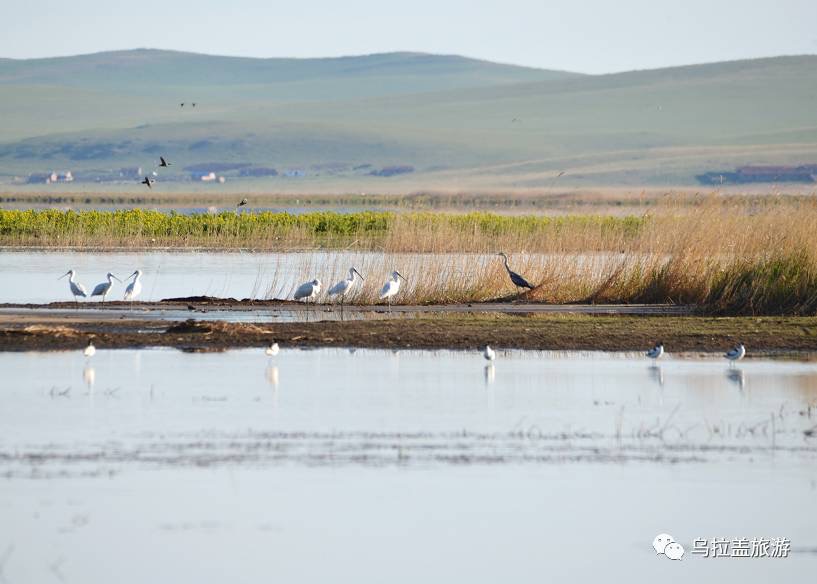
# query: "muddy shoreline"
{"type": "Point", "coordinates": [36, 331]}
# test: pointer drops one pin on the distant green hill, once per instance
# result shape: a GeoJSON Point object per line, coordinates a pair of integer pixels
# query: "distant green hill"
{"type": "Point", "coordinates": [400, 121]}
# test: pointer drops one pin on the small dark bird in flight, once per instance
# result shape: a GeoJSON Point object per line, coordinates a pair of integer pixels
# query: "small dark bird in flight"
{"type": "Point", "coordinates": [163, 163]}
{"type": "Point", "coordinates": [242, 203]}
{"type": "Point", "coordinates": [148, 181]}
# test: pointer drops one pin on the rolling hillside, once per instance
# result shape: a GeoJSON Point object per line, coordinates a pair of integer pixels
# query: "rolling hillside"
{"type": "Point", "coordinates": [401, 121]}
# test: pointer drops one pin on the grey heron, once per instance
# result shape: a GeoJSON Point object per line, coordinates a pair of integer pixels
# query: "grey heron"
{"type": "Point", "coordinates": [517, 280]}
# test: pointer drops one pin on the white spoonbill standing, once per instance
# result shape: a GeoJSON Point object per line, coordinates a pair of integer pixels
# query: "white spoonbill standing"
{"type": "Point", "coordinates": [308, 290]}
{"type": "Point", "coordinates": [76, 288]}
{"type": "Point", "coordinates": [736, 353]}
{"type": "Point", "coordinates": [272, 349]}
{"type": "Point", "coordinates": [105, 287]}
{"type": "Point", "coordinates": [90, 350]}
{"type": "Point", "coordinates": [344, 286]}
{"type": "Point", "coordinates": [489, 353]}
{"type": "Point", "coordinates": [392, 287]}
{"type": "Point", "coordinates": [134, 288]}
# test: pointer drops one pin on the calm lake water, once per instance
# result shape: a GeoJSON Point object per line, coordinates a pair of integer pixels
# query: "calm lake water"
{"type": "Point", "coordinates": [401, 466]}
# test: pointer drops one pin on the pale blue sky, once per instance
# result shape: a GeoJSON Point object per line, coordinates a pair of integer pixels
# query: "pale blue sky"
{"type": "Point", "coordinates": [591, 36]}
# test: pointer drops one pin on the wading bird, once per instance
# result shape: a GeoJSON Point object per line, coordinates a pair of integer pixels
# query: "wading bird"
{"type": "Point", "coordinates": [76, 288]}
{"type": "Point", "coordinates": [134, 288]}
{"type": "Point", "coordinates": [656, 351]}
{"type": "Point", "coordinates": [163, 163]}
{"type": "Point", "coordinates": [392, 287]}
{"type": "Point", "coordinates": [181, 104]}
{"type": "Point", "coordinates": [517, 280]}
{"type": "Point", "coordinates": [489, 353]}
{"type": "Point", "coordinates": [148, 181]}
{"type": "Point", "coordinates": [344, 286]}
{"type": "Point", "coordinates": [272, 350]}
{"type": "Point", "coordinates": [105, 287]}
{"type": "Point", "coordinates": [308, 291]}
{"type": "Point", "coordinates": [90, 350]}
{"type": "Point", "coordinates": [736, 353]}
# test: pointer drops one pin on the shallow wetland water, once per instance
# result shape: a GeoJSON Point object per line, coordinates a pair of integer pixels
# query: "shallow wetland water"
{"type": "Point", "coordinates": [232, 465]}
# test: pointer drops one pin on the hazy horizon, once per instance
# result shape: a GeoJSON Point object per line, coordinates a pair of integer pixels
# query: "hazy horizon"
{"type": "Point", "coordinates": [407, 51]}
{"type": "Point", "coordinates": [591, 37]}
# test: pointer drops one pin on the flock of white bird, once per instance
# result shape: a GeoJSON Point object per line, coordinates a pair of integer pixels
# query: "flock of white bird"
{"type": "Point", "coordinates": [310, 290]}
{"type": "Point", "coordinates": [736, 353]}
{"type": "Point", "coordinates": [306, 291]}
{"type": "Point", "coordinates": [78, 290]}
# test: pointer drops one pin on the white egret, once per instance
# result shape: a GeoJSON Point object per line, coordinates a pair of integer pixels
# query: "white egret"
{"type": "Point", "coordinates": [489, 353]}
{"type": "Point", "coordinates": [308, 290]}
{"type": "Point", "coordinates": [272, 349]}
{"type": "Point", "coordinates": [90, 350]}
{"type": "Point", "coordinates": [134, 288]}
{"type": "Point", "coordinates": [105, 287]}
{"type": "Point", "coordinates": [344, 286]}
{"type": "Point", "coordinates": [76, 288]}
{"type": "Point", "coordinates": [736, 354]}
{"type": "Point", "coordinates": [656, 351]}
{"type": "Point", "coordinates": [392, 287]}
{"type": "Point", "coordinates": [517, 280]}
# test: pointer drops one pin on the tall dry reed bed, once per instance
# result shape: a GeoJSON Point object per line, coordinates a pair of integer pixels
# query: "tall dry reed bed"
{"type": "Point", "coordinates": [742, 256]}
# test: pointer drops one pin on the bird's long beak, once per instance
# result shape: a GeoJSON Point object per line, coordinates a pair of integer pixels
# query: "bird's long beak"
{"type": "Point", "coordinates": [65, 274]}
{"type": "Point", "coordinates": [401, 275]}
{"type": "Point", "coordinates": [131, 276]}
{"type": "Point", "coordinates": [358, 273]}
{"type": "Point", "coordinates": [115, 278]}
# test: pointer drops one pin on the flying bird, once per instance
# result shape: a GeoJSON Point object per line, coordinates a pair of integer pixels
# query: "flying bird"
{"type": "Point", "coordinates": [105, 287]}
{"type": "Point", "coordinates": [163, 163]}
{"type": "Point", "coordinates": [517, 280]}
{"type": "Point", "coordinates": [148, 181]}
{"type": "Point", "coordinates": [242, 202]}
{"type": "Point", "coordinates": [76, 288]}
{"type": "Point", "coordinates": [656, 351]}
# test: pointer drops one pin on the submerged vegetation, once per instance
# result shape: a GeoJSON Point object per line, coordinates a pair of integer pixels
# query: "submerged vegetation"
{"type": "Point", "coordinates": [727, 256]}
